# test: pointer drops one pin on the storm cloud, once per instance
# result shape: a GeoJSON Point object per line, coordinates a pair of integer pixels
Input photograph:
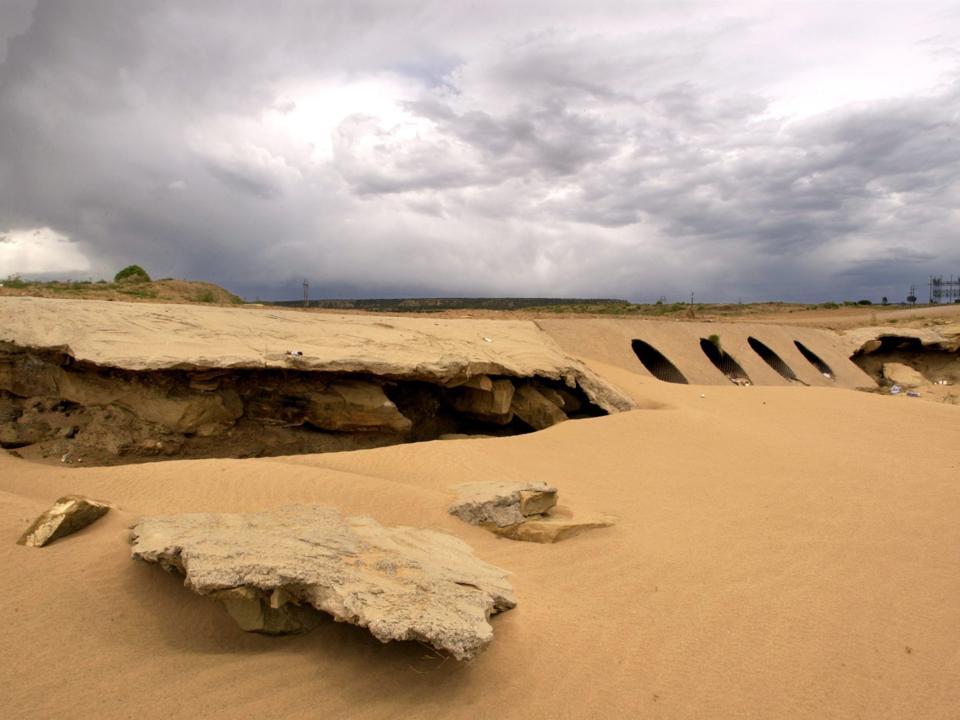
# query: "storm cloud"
{"type": "Point", "coordinates": [753, 150]}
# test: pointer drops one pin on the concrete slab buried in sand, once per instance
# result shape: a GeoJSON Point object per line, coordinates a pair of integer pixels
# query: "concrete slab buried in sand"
{"type": "Point", "coordinates": [139, 336]}
{"type": "Point", "coordinates": [272, 570]}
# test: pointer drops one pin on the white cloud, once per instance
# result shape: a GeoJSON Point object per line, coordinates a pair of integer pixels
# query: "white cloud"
{"type": "Point", "coordinates": [39, 250]}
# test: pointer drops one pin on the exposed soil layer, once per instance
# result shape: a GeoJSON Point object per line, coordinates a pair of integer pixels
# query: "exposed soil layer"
{"type": "Point", "coordinates": [56, 409]}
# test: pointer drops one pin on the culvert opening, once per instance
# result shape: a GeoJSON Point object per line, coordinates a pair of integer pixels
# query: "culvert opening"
{"type": "Point", "coordinates": [815, 360]}
{"type": "Point", "coordinates": [724, 361]}
{"type": "Point", "coordinates": [57, 410]}
{"type": "Point", "coordinates": [772, 359]}
{"type": "Point", "coordinates": [657, 363]}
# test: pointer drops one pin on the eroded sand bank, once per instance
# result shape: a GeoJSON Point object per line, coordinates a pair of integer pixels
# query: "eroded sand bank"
{"type": "Point", "coordinates": [780, 552]}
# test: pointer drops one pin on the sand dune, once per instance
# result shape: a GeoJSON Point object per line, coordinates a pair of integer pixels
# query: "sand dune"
{"type": "Point", "coordinates": [780, 552]}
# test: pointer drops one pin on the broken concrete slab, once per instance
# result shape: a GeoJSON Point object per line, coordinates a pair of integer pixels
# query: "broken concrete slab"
{"type": "Point", "coordinates": [903, 375]}
{"type": "Point", "coordinates": [533, 407]}
{"type": "Point", "coordinates": [355, 405]}
{"type": "Point", "coordinates": [479, 382]}
{"type": "Point", "coordinates": [68, 515]}
{"type": "Point", "coordinates": [559, 525]}
{"type": "Point", "coordinates": [401, 583]}
{"type": "Point", "coordinates": [437, 350]}
{"type": "Point", "coordinates": [488, 405]}
{"type": "Point", "coordinates": [274, 613]}
{"type": "Point", "coordinates": [501, 503]}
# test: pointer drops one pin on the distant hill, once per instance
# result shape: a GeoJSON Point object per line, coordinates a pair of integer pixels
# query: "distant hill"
{"type": "Point", "coordinates": [166, 290]}
{"type": "Point", "coordinates": [440, 304]}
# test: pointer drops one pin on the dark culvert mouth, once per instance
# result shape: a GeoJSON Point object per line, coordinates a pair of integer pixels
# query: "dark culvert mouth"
{"type": "Point", "coordinates": [657, 363]}
{"type": "Point", "coordinates": [724, 362]}
{"type": "Point", "coordinates": [935, 362]}
{"type": "Point", "coordinates": [772, 359]}
{"type": "Point", "coordinates": [815, 360]}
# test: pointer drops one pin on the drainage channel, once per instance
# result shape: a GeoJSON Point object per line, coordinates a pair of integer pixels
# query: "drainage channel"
{"type": "Point", "coordinates": [657, 363]}
{"type": "Point", "coordinates": [815, 360]}
{"type": "Point", "coordinates": [724, 361]}
{"type": "Point", "coordinates": [773, 360]}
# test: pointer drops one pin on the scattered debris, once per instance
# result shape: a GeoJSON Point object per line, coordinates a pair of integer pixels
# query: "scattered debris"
{"type": "Point", "coordinates": [274, 570]}
{"type": "Point", "coordinates": [913, 393]}
{"type": "Point", "coordinates": [68, 514]}
{"type": "Point", "coordinates": [895, 390]}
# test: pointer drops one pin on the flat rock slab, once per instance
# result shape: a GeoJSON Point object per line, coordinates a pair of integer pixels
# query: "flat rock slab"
{"type": "Point", "coordinates": [68, 514]}
{"type": "Point", "coordinates": [904, 375]}
{"type": "Point", "coordinates": [559, 525]}
{"type": "Point", "coordinates": [141, 336]}
{"type": "Point", "coordinates": [502, 504]}
{"type": "Point", "coordinates": [401, 583]}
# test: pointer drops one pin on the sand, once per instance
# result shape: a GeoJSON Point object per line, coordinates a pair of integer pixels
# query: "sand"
{"type": "Point", "coordinates": [780, 552]}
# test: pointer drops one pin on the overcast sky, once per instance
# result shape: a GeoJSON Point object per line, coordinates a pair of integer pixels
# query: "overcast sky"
{"type": "Point", "coordinates": [756, 150]}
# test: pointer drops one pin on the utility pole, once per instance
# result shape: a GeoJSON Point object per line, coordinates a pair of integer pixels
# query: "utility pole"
{"type": "Point", "coordinates": [691, 297]}
{"type": "Point", "coordinates": [306, 293]}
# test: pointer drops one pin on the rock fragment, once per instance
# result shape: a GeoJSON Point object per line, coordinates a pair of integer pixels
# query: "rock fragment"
{"type": "Point", "coordinates": [401, 583]}
{"type": "Point", "coordinates": [355, 405]}
{"type": "Point", "coordinates": [903, 375]}
{"type": "Point", "coordinates": [274, 613]}
{"type": "Point", "coordinates": [492, 405]}
{"type": "Point", "coordinates": [502, 504]}
{"type": "Point", "coordinates": [535, 409]}
{"type": "Point", "coordinates": [521, 511]}
{"type": "Point", "coordinates": [20, 434]}
{"type": "Point", "coordinates": [68, 514]}
{"type": "Point", "coordinates": [559, 525]}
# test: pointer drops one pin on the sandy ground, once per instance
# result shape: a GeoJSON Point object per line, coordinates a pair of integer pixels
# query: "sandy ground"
{"type": "Point", "coordinates": [782, 552]}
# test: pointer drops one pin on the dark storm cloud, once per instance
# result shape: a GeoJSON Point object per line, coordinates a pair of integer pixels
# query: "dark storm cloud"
{"type": "Point", "coordinates": [469, 149]}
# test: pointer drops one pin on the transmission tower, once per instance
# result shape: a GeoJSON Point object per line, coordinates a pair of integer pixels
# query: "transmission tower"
{"type": "Point", "coordinates": [306, 293]}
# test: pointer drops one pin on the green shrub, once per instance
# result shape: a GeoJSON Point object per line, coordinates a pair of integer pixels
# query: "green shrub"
{"type": "Point", "coordinates": [132, 273]}
{"type": "Point", "coordinates": [830, 306]}
{"type": "Point", "coordinates": [142, 293]}
{"type": "Point", "coordinates": [15, 281]}
{"type": "Point", "coordinates": [207, 296]}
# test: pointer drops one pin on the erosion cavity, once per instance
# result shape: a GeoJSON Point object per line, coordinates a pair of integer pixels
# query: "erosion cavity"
{"type": "Point", "coordinates": [54, 408]}
{"type": "Point", "coordinates": [657, 363]}
{"type": "Point", "coordinates": [815, 360]}
{"type": "Point", "coordinates": [772, 359]}
{"type": "Point", "coordinates": [724, 362]}
{"type": "Point", "coordinates": [937, 362]}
